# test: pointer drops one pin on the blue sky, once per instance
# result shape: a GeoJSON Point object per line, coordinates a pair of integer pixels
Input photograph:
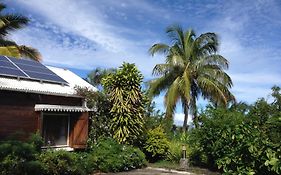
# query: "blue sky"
{"type": "Point", "coordinates": [82, 35]}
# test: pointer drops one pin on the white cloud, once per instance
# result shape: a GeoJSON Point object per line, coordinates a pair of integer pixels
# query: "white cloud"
{"type": "Point", "coordinates": [179, 118]}
{"type": "Point", "coordinates": [87, 34]}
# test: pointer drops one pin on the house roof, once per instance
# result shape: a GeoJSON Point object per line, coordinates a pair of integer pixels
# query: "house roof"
{"type": "Point", "coordinates": [24, 85]}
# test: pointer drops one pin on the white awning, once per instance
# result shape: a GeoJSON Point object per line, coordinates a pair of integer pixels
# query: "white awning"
{"type": "Point", "coordinates": [60, 108]}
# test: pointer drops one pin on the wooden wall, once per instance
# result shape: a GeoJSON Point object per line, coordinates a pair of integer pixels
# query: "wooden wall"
{"type": "Point", "coordinates": [18, 118]}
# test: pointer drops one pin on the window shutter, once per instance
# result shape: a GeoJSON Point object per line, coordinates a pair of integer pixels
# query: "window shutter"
{"type": "Point", "coordinates": [80, 131]}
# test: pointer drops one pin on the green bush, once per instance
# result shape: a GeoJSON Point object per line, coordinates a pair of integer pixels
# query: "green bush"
{"type": "Point", "coordinates": [57, 162]}
{"type": "Point", "coordinates": [113, 157]}
{"type": "Point", "coordinates": [234, 143]}
{"type": "Point", "coordinates": [37, 141]}
{"type": "Point", "coordinates": [156, 145]}
{"type": "Point", "coordinates": [18, 158]}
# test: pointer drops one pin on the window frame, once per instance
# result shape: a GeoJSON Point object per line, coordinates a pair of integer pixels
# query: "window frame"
{"type": "Point", "coordinates": [46, 114]}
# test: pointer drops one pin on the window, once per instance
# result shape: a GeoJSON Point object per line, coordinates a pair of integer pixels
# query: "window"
{"type": "Point", "coordinates": [56, 129]}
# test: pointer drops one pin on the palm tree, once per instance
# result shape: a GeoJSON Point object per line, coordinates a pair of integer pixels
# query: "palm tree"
{"type": "Point", "coordinates": [192, 69]}
{"type": "Point", "coordinates": [9, 23]}
{"type": "Point", "coordinates": [96, 75]}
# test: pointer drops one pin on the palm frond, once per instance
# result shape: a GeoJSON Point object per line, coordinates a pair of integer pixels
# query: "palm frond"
{"type": "Point", "coordinates": [160, 69]}
{"type": "Point", "coordinates": [11, 22]}
{"type": "Point", "coordinates": [160, 84]}
{"type": "Point", "coordinates": [2, 7]}
{"type": "Point", "coordinates": [29, 52]}
{"type": "Point", "coordinates": [208, 43]}
{"type": "Point", "coordinates": [159, 48]}
{"type": "Point", "coordinates": [171, 97]}
{"type": "Point", "coordinates": [214, 90]}
{"type": "Point", "coordinates": [175, 32]}
{"type": "Point", "coordinates": [186, 85]}
{"type": "Point", "coordinates": [188, 40]}
{"type": "Point", "coordinates": [4, 42]}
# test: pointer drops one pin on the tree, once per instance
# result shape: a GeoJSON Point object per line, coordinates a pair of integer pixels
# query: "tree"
{"type": "Point", "coordinates": [96, 75]}
{"type": "Point", "coordinates": [192, 68]}
{"type": "Point", "coordinates": [9, 23]}
{"type": "Point", "coordinates": [124, 91]}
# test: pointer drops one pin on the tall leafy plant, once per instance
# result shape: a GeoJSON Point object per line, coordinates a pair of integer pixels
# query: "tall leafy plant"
{"type": "Point", "coordinates": [124, 91]}
{"type": "Point", "coordinates": [192, 68]}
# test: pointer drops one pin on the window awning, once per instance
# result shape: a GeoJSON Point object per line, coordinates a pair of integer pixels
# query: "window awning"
{"type": "Point", "coordinates": [60, 108]}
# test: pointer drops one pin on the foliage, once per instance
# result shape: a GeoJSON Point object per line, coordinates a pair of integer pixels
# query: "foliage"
{"type": "Point", "coordinates": [95, 76]}
{"type": "Point", "coordinates": [175, 147]}
{"type": "Point", "coordinates": [239, 142]}
{"type": "Point", "coordinates": [174, 152]}
{"type": "Point", "coordinates": [192, 69]}
{"type": "Point", "coordinates": [18, 158]}
{"type": "Point", "coordinates": [9, 23]}
{"type": "Point", "coordinates": [59, 162]}
{"type": "Point", "coordinates": [124, 91]}
{"type": "Point", "coordinates": [113, 157]}
{"type": "Point", "coordinates": [100, 117]}
{"type": "Point", "coordinates": [36, 141]}
{"type": "Point", "coordinates": [156, 145]}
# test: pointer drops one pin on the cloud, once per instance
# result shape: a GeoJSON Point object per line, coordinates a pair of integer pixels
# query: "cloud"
{"type": "Point", "coordinates": [179, 118]}
{"type": "Point", "coordinates": [66, 30]}
{"type": "Point", "coordinates": [89, 34]}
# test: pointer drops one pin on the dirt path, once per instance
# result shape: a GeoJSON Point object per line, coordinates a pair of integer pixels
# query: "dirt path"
{"type": "Point", "coordinates": [152, 171]}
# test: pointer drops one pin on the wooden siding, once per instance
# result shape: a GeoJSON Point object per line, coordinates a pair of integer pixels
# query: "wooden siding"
{"type": "Point", "coordinates": [18, 118]}
{"type": "Point", "coordinates": [79, 131]}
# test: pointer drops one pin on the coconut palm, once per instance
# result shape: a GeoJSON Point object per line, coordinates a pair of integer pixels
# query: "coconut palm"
{"type": "Point", "coordinates": [95, 76]}
{"type": "Point", "coordinates": [192, 68]}
{"type": "Point", "coordinates": [9, 23]}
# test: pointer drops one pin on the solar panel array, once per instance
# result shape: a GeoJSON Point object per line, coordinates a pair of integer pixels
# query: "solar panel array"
{"type": "Point", "coordinates": [27, 69]}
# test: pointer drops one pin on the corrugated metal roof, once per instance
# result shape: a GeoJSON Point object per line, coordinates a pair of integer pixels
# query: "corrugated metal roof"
{"type": "Point", "coordinates": [23, 85]}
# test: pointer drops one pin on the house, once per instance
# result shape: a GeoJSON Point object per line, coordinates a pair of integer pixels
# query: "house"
{"type": "Point", "coordinates": [37, 98]}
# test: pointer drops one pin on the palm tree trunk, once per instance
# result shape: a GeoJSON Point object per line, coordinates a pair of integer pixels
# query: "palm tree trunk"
{"type": "Point", "coordinates": [185, 126]}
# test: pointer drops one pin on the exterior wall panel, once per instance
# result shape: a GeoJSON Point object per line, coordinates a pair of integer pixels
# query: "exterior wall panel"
{"type": "Point", "coordinates": [18, 118]}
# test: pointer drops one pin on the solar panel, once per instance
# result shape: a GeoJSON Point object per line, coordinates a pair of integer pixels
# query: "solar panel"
{"type": "Point", "coordinates": [28, 69]}
{"type": "Point", "coordinates": [9, 69]}
{"type": "Point", "coordinates": [11, 72]}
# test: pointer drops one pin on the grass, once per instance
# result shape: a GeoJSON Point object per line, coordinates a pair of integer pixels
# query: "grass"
{"type": "Point", "coordinates": [175, 166]}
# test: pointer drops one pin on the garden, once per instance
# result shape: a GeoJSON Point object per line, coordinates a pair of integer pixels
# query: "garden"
{"type": "Point", "coordinates": [128, 132]}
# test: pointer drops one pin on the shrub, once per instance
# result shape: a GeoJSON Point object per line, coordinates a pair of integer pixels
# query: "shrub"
{"type": "Point", "coordinates": [156, 145]}
{"type": "Point", "coordinates": [37, 141]}
{"type": "Point", "coordinates": [113, 157]}
{"type": "Point", "coordinates": [235, 144]}
{"type": "Point", "coordinates": [60, 162]}
{"type": "Point", "coordinates": [18, 158]}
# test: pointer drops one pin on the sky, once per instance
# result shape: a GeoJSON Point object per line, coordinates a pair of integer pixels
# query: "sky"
{"type": "Point", "coordinates": [85, 34]}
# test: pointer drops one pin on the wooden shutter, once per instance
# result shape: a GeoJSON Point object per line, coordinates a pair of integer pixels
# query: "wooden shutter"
{"type": "Point", "coordinates": [80, 131]}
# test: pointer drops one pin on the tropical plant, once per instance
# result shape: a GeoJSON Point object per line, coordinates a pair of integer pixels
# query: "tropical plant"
{"type": "Point", "coordinates": [157, 144]}
{"type": "Point", "coordinates": [237, 142]}
{"type": "Point", "coordinates": [192, 68]}
{"type": "Point", "coordinates": [125, 95]}
{"type": "Point", "coordinates": [100, 118]}
{"type": "Point", "coordinates": [113, 157]}
{"type": "Point", "coordinates": [9, 23]}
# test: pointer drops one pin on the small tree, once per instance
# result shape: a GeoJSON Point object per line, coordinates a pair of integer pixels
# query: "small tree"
{"type": "Point", "coordinates": [124, 90]}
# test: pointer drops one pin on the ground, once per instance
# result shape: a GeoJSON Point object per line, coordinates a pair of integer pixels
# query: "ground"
{"type": "Point", "coordinates": [156, 171]}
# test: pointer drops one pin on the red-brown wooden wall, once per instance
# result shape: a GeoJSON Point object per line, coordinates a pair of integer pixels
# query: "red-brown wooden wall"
{"type": "Point", "coordinates": [18, 118]}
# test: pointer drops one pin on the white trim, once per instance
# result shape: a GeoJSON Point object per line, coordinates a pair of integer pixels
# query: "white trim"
{"type": "Point", "coordinates": [59, 108]}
